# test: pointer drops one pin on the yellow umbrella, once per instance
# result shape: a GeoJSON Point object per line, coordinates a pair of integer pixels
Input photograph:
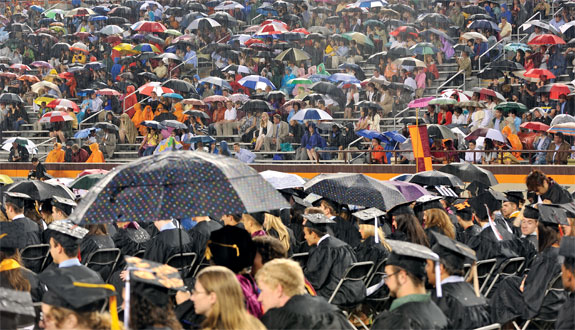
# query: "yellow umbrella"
{"type": "Point", "coordinates": [58, 29]}
{"type": "Point", "coordinates": [4, 179]}
{"type": "Point", "coordinates": [41, 99]}
{"type": "Point", "coordinates": [125, 49]}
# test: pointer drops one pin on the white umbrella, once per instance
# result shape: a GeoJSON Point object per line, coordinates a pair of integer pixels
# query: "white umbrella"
{"type": "Point", "coordinates": [474, 35]}
{"type": "Point", "coordinates": [203, 22]}
{"type": "Point", "coordinates": [111, 29]}
{"type": "Point", "coordinates": [80, 45]}
{"type": "Point", "coordinates": [312, 114]}
{"type": "Point", "coordinates": [280, 180]}
{"type": "Point", "coordinates": [492, 134]}
{"type": "Point", "coordinates": [228, 5]}
{"type": "Point", "coordinates": [30, 146]}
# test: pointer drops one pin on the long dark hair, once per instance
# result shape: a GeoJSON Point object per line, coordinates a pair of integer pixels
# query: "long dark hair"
{"type": "Point", "coordinates": [547, 236]}
{"type": "Point", "coordinates": [408, 224]}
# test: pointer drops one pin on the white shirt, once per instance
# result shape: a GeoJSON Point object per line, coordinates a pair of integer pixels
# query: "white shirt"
{"type": "Point", "coordinates": [469, 157]}
{"type": "Point", "coordinates": [230, 114]}
{"type": "Point", "coordinates": [322, 238]}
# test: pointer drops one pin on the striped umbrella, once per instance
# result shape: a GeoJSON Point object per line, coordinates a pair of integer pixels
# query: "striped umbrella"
{"type": "Point", "coordinates": [55, 116]}
{"type": "Point", "coordinates": [565, 128]}
{"type": "Point", "coordinates": [64, 103]}
{"type": "Point", "coordinates": [256, 82]}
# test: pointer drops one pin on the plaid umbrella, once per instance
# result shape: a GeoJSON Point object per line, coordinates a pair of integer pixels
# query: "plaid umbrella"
{"type": "Point", "coordinates": [177, 185]}
{"type": "Point", "coordinates": [468, 172]}
{"type": "Point", "coordinates": [355, 189]}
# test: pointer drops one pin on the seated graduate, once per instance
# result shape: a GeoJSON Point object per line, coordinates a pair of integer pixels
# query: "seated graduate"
{"type": "Point", "coordinates": [566, 317]}
{"type": "Point", "coordinates": [529, 224]}
{"type": "Point", "coordinates": [464, 308]}
{"type": "Point", "coordinates": [200, 233]}
{"type": "Point", "coordinates": [430, 211]}
{"type": "Point", "coordinates": [286, 304]}
{"type": "Point", "coordinates": [405, 277]}
{"type": "Point", "coordinates": [373, 246]}
{"type": "Point", "coordinates": [405, 226]}
{"type": "Point", "coordinates": [17, 309]}
{"type": "Point", "coordinates": [169, 241]}
{"type": "Point", "coordinates": [97, 238]}
{"type": "Point", "coordinates": [511, 209]}
{"type": "Point", "coordinates": [73, 304]}
{"type": "Point", "coordinates": [65, 238]}
{"type": "Point", "coordinates": [343, 229]}
{"type": "Point", "coordinates": [328, 260]}
{"type": "Point", "coordinates": [464, 215]}
{"type": "Point", "coordinates": [524, 297]}
{"type": "Point", "coordinates": [14, 203]}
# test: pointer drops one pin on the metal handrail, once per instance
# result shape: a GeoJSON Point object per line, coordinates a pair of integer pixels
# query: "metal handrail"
{"type": "Point", "coordinates": [450, 79]}
{"type": "Point", "coordinates": [487, 52]}
{"type": "Point", "coordinates": [399, 113]}
{"type": "Point", "coordinates": [527, 21]}
{"type": "Point", "coordinates": [84, 123]}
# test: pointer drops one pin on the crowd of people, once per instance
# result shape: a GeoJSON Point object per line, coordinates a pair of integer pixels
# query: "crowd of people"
{"type": "Point", "coordinates": [178, 73]}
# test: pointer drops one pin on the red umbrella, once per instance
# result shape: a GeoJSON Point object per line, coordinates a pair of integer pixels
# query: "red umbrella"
{"type": "Point", "coordinates": [19, 66]}
{"type": "Point", "coordinates": [29, 78]}
{"type": "Point", "coordinates": [108, 91]}
{"type": "Point", "coordinates": [275, 22]}
{"type": "Point", "coordinates": [10, 75]}
{"type": "Point", "coordinates": [535, 125]}
{"type": "Point", "coordinates": [82, 35]}
{"type": "Point", "coordinates": [301, 30]}
{"type": "Point", "coordinates": [66, 75]}
{"type": "Point", "coordinates": [404, 30]}
{"type": "Point", "coordinates": [55, 116]}
{"type": "Point", "coordinates": [270, 29]}
{"type": "Point", "coordinates": [546, 39]}
{"type": "Point", "coordinates": [252, 41]}
{"type": "Point", "coordinates": [487, 92]}
{"type": "Point", "coordinates": [155, 86]}
{"type": "Point", "coordinates": [64, 103]}
{"type": "Point", "coordinates": [216, 98]}
{"type": "Point", "coordinates": [558, 89]}
{"type": "Point", "coordinates": [147, 26]}
{"type": "Point", "coordinates": [537, 73]}
{"type": "Point", "coordinates": [113, 40]}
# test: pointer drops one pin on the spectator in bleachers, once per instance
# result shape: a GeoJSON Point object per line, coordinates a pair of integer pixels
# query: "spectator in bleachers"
{"type": "Point", "coordinates": [265, 130]}
{"type": "Point", "coordinates": [79, 155]}
{"type": "Point", "coordinates": [226, 126]}
{"type": "Point", "coordinates": [378, 156]}
{"type": "Point", "coordinates": [279, 134]}
{"type": "Point", "coordinates": [244, 155]}
{"type": "Point", "coordinates": [56, 155]}
{"type": "Point", "coordinates": [96, 156]}
{"type": "Point", "coordinates": [108, 142]}
{"type": "Point", "coordinates": [561, 150]}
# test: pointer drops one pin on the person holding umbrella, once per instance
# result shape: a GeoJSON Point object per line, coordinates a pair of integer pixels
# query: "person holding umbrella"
{"type": "Point", "coordinates": [18, 153]}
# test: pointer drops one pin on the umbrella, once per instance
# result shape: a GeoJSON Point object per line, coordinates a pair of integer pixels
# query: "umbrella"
{"type": "Point", "coordinates": [107, 126]}
{"type": "Point", "coordinates": [177, 185]}
{"type": "Point", "coordinates": [108, 91]}
{"type": "Point", "coordinates": [238, 69]}
{"type": "Point", "coordinates": [293, 55]}
{"type": "Point", "coordinates": [145, 47]}
{"type": "Point", "coordinates": [442, 100]}
{"type": "Point", "coordinates": [87, 181]}
{"type": "Point", "coordinates": [228, 5]}
{"type": "Point", "coordinates": [19, 66]}
{"type": "Point", "coordinates": [80, 12]}
{"type": "Point", "coordinates": [55, 116]}
{"type": "Point", "coordinates": [483, 25]}
{"type": "Point", "coordinates": [216, 81]}
{"type": "Point", "coordinates": [435, 178]}
{"type": "Point", "coordinates": [197, 113]}
{"type": "Point", "coordinates": [179, 85]}
{"type": "Point", "coordinates": [355, 189]}
{"type": "Point", "coordinates": [281, 180]}
{"type": "Point", "coordinates": [256, 82]}
{"type": "Point", "coordinates": [558, 90]}
{"type": "Point", "coordinates": [30, 146]}
{"type": "Point", "coordinates": [420, 103]}
{"type": "Point", "coordinates": [546, 39]}
{"type": "Point", "coordinates": [344, 78]}
{"type": "Point", "coordinates": [41, 191]}
{"type": "Point", "coordinates": [410, 61]}
{"type": "Point", "coordinates": [490, 73]}
{"type": "Point", "coordinates": [203, 23]}
{"type": "Point", "coordinates": [64, 103]}
{"type": "Point", "coordinates": [404, 30]}
{"type": "Point", "coordinates": [474, 104]}
{"type": "Point", "coordinates": [311, 114]}
{"type": "Point", "coordinates": [215, 98]}
{"type": "Point", "coordinates": [562, 119]}
{"type": "Point", "coordinates": [468, 172]}
{"type": "Point", "coordinates": [535, 125]}
{"type": "Point", "coordinates": [473, 9]}
{"type": "Point", "coordinates": [174, 123]}
{"type": "Point", "coordinates": [537, 73]}
{"type": "Point", "coordinates": [323, 87]}
{"type": "Point", "coordinates": [565, 128]}
{"type": "Point", "coordinates": [5, 180]}
{"type": "Point", "coordinates": [440, 132]}
{"type": "Point", "coordinates": [84, 133]}
{"type": "Point", "coordinates": [154, 86]}
{"type": "Point", "coordinates": [42, 64]}
{"type": "Point", "coordinates": [474, 35]}
{"type": "Point", "coordinates": [152, 124]}
{"type": "Point", "coordinates": [10, 98]}
{"type": "Point", "coordinates": [410, 191]}
{"type": "Point", "coordinates": [173, 96]}
{"type": "Point", "coordinates": [360, 38]}
{"type": "Point", "coordinates": [424, 48]}
{"type": "Point", "coordinates": [516, 46]}
{"type": "Point", "coordinates": [488, 133]}
{"type": "Point", "coordinates": [147, 26]}
{"type": "Point", "coordinates": [434, 19]}
{"type": "Point", "coordinates": [508, 106]}
{"type": "Point", "coordinates": [256, 106]}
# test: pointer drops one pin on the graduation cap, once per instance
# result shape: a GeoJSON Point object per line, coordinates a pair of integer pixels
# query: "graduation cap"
{"type": "Point", "coordinates": [452, 252]}
{"type": "Point", "coordinates": [260, 217]}
{"type": "Point", "coordinates": [68, 228]}
{"type": "Point", "coordinates": [11, 235]}
{"type": "Point", "coordinates": [312, 198]}
{"type": "Point", "coordinates": [399, 209]}
{"type": "Point", "coordinates": [370, 217]}
{"type": "Point", "coordinates": [302, 202]}
{"type": "Point", "coordinates": [552, 215]}
{"type": "Point", "coordinates": [567, 248]}
{"type": "Point", "coordinates": [153, 280]}
{"type": "Point", "coordinates": [317, 221]}
{"type": "Point", "coordinates": [231, 247]}
{"type": "Point", "coordinates": [463, 209]}
{"type": "Point", "coordinates": [530, 212]}
{"type": "Point", "coordinates": [427, 202]}
{"type": "Point", "coordinates": [477, 187]}
{"type": "Point", "coordinates": [64, 204]}
{"type": "Point", "coordinates": [515, 196]}
{"type": "Point", "coordinates": [413, 258]}
{"type": "Point", "coordinates": [16, 309]}
{"type": "Point", "coordinates": [487, 200]}
{"type": "Point", "coordinates": [16, 198]}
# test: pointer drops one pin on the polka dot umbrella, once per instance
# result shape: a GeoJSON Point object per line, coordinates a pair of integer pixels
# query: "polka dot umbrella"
{"type": "Point", "coordinates": [177, 185]}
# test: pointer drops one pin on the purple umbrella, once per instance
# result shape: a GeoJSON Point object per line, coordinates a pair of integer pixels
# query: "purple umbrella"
{"type": "Point", "coordinates": [410, 191]}
{"type": "Point", "coordinates": [420, 103]}
{"type": "Point", "coordinates": [41, 64]}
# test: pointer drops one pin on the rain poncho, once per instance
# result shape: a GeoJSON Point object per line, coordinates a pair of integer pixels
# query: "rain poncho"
{"type": "Point", "coordinates": [513, 140]}
{"type": "Point", "coordinates": [169, 144]}
{"type": "Point", "coordinates": [130, 100]}
{"type": "Point", "coordinates": [179, 113]}
{"type": "Point", "coordinates": [128, 129]}
{"type": "Point", "coordinates": [56, 155]}
{"type": "Point", "coordinates": [97, 156]}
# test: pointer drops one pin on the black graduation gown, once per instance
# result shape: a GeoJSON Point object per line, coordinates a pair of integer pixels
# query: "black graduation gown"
{"type": "Point", "coordinates": [368, 250]}
{"type": "Point", "coordinates": [325, 267]}
{"type": "Point", "coordinates": [471, 231]}
{"type": "Point", "coordinates": [487, 246]}
{"type": "Point", "coordinates": [508, 302]}
{"type": "Point", "coordinates": [566, 316]}
{"type": "Point", "coordinates": [32, 234]}
{"type": "Point", "coordinates": [166, 244]}
{"type": "Point", "coordinates": [78, 273]}
{"type": "Point", "coordinates": [464, 310]}
{"type": "Point", "coordinates": [36, 290]}
{"type": "Point", "coordinates": [346, 231]}
{"type": "Point", "coordinates": [556, 194]}
{"type": "Point", "coordinates": [412, 315]}
{"type": "Point", "coordinates": [305, 312]}
{"type": "Point", "coordinates": [93, 243]}
{"type": "Point", "coordinates": [200, 234]}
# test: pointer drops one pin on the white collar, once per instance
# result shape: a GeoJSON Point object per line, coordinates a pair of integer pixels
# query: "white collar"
{"type": "Point", "coordinates": [453, 279]}
{"type": "Point", "coordinates": [322, 238]}
{"type": "Point", "coordinates": [19, 216]}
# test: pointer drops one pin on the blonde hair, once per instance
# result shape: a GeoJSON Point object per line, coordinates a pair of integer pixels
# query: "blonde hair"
{"type": "Point", "coordinates": [284, 272]}
{"type": "Point", "coordinates": [438, 218]}
{"type": "Point", "coordinates": [229, 310]}
{"type": "Point", "coordinates": [369, 231]}
{"type": "Point", "coordinates": [249, 218]}
{"type": "Point", "coordinates": [89, 320]}
{"type": "Point", "coordinates": [275, 223]}
{"type": "Point", "coordinates": [264, 119]}
{"type": "Point", "coordinates": [313, 210]}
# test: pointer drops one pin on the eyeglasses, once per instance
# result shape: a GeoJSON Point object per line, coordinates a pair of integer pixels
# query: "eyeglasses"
{"type": "Point", "coordinates": [387, 276]}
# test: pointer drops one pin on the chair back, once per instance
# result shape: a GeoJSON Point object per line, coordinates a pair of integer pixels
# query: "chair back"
{"type": "Point", "coordinates": [104, 261]}
{"type": "Point", "coordinates": [358, 271]}
{"type": "Point", "coordinates": [34, 256]}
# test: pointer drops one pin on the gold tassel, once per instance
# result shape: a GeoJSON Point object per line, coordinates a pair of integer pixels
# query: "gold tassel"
{"type": "Point", "coordinates": [113, 305]}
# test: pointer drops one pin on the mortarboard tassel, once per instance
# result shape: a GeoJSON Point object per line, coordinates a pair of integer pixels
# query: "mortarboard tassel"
{"type": "Point", "coordinates": [438, 280]}
{"type": "Point", "coordinates": [113, 306]}
{"type": "Point", "coordinates": [376, 231]}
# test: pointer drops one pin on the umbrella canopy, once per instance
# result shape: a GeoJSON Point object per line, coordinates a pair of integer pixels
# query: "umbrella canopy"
{"type": "Point", "coordinates": [311, 114]}
{"type": "Point", "coordinates": [488, 133]}
{"type": "Point", "coordinates": [10, 98]}
{"type": "Point", "coordinates": [197, 113]}
{"type": "Point", "coordinates": [147, 26]}
{"type": "Point", "coordinates": [216, 81]}
{"type": "Point", "coordinates": [359, 37]}
{"type": "Point", "coordinates": [64, 103]}
{"type": "Point", "coordinates": [468, 172]}
{"type": "Point", "coordinates": [535, 125]}
{"type": "Point", "coordinates": [41, 191]}
{"type": "Point", "coordinates": [293, 55]}
{"type": "Point", "coordinates": [281, 180]}
{"type": "Point", "coordinates": [474, 35]}
{"type": "Point", "coordinates": [410, 191]}
{"type": "Point", "coordinates": [508, 106]}
{"type": "Point", "coordinates": [440, 132]}
{"type": "Point", "coordinates": [435, 178]}
{"type": "Point", "coordinates": [87, 181]}
{"type": "Point", "coordinates": [410, 61]}
{"type": "Point", "coordinates": [442, 100]}
{"type": "Point", "coordinates": [55, 116]}
{"type": "Point", "coordinates": [107, 126]}
{"type": "Point", "coordinates": [355, 189]}
{"type": "Point", "coordinates": [256, 105]}
{"type": "Point", "coordinates": [559, 89]}
{"type": "Point", "coordinates": [565, 128]}
{"type": "Point", "coordinates": [177, 185]}
{"type": "Point", "coordinates": [546, 39]}
{"type": "Point", "coordinates": [256, 82]}
{"type": "Point", "coordinates": [562, 119]}
{"type": "Point", "coordinates": [203, 23]}
{"type": "Point", "coordinates": [30, 146]}
{"type": "Point", "coordinates": [154, 86]}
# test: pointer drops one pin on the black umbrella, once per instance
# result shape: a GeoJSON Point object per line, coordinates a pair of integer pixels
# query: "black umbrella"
{"type": "Point", "coordinates": [121, 11]}
{"type": "Point", "coordinates": [152, 38]}
{"type": "Point", "coordinates": [315, 36]}
{"type": "Point", "coordinates": [463, 48]}
{"type": "Point", "coordinates": [438, 33]}
{"type": "Point", "coordinates": [108, 126]}
{"type": "Point", "coordinates": [477, 17]}
{"type": "Point", "coordinates": [402, 8]}
{"type": "Point", "coordinates": [374, 58]}
{"type": "Point", "coordinates": [399, 52]}
{"type": "Point", "coordinates": [177, 185]}
{"type": "Point", "coordinates": [224, 18]}
{"type": "Point", "coordinates": [490, 73]}
{"type": "Point", "coordinates": [256, 106]}
{"type": "Point", "coordinates": [329, 89]}
{"type": "Point", "coordinates": [472, 9]}
{"type": "Point", "coordinates": [40, 191]}
{"type": "Point", "coordinates": [173, 123]}
{"type": "Point", "coordinates": [333, 20]}
{"type": "Point", "coordinates": [179, 85]}
{"type": "Point", "coordinates": [314, 97]}
{"type": "Point", "coordinates": [197, 113]}
{"type": "Point", "coordinates": [175, 11]}
{"type": "Point", "coordinates": [10, 98]}
{"type": "Point", "coordinates": [19, 27]}
{"type": "Point", "coordinates": [434, 18]}
{"type": "Point", "coordinates": [468, 172]}
{"type": "Point", "coordinates": [506, 65]}
{"type": "Point", "coordinates": [149, 75]}
{"type": "Point", "coordinates": [116, 20]}
{"type": "Point", "coordinates": [59, 48]}
{"type": "Point", "coordinates": [293, 55]}
{"type": "Point", "coordinates": [440, 132]}
{"type": "Point", "coordinates": [196, 6]}
{"type": "Point", "coordinates": [355, 189]}
{"type": "Point", "coordinates": [435, 178]}
{"type": "Point", "coordinates": [369, 104]}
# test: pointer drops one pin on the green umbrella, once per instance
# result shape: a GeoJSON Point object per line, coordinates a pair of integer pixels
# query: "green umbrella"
{"type": "Point", "coordinates": [442, 101]}
{"type": "Point", "coordinates": [360, 38]}
{"type": "Point", "coordinates": [173, 32]}
{"type": "Point", "coordinates": [303, 81]}
{"type": "Point", "coordinates": [53, 12]}
{"type": "Point", "coordinates": [507, 106]}
{"type": "Point", "coordinates": [87, 181]}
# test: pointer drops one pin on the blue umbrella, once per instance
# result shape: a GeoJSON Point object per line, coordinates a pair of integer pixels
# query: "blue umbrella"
{"type": "Point", "coordinates": [216, 81]}
{"type": "Point", "coordinates": [201, 138]}
{"type": "Point", "coordinates": [371, 135]}
{"type": "Point", "coordinates": [98, 18]}
{"type": "Point", "coordinates": [102, 10]}
{"type": "Point", "coordinates": [318, 77]}
{"type": "Point", "coordinates": [484, 24]}
{"type": "Point", "coordinates": [173, 96]}
{"type": "Point", "coordinates": [82, 134]}
{"type": "Point", "coordinates": [94, 65]}
{"type": "Point", "coordinates": [37, 8]}
{"type": "Point", "coordinates": [311, 114]}
{"type": "Point", "coordinates": [46, 21]}
{"type": "Point", "coordinates": [171, 49]}
{"type": "Point", "coordinates": [152, 124]}
{"type": "Point", "coordinates": [256, 82]}
{"type": "Point", "coordinates": [395, 136]}
{"type": "Point", "coordinates": [344, 78]}
{"type": "Point", "coordinates": [84, 92]}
